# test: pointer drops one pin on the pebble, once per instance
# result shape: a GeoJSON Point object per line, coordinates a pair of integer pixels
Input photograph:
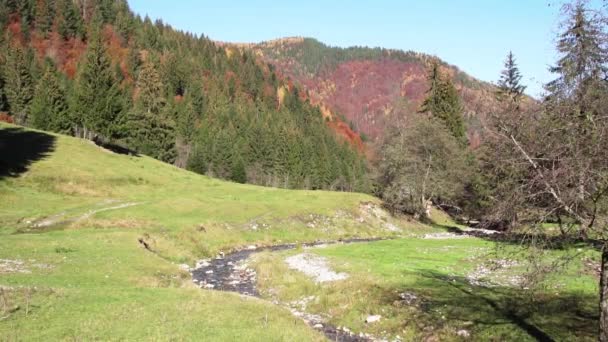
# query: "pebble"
{"type": "Point", "coordinates": [373, 319]}
{"type": "Point", "coordinates": [463, 333]}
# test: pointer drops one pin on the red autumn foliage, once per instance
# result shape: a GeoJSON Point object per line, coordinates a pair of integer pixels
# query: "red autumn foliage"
{"type": "Point", "coordinates": [343, 131]}
{"type": "Point", "coordinates": [374, 93]}
{"type": "Point", "coordinates": [4, 117]}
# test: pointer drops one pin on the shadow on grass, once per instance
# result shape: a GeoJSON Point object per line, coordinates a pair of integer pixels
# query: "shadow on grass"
{"type": "Point", "coordinates": [550, 242]}
{"type": "Point", "coordinates": [546, 317]}
{"type": "Point", "coordinates": [115, 147]}
{"type": "Point", "coordinates": [19, 149]}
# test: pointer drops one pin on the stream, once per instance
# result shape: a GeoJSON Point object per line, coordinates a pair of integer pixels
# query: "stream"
{"type": "Point", "coordinates": [230, 273]}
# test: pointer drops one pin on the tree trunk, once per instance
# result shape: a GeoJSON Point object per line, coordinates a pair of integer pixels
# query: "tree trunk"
{"type": "Point", "coordinates": [603, 336]}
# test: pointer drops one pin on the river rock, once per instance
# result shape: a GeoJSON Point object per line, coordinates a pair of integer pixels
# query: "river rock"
{"type": "Point", "coordinates": [373, 319]}
{"type": "Point", "coordinates": [463, 333]}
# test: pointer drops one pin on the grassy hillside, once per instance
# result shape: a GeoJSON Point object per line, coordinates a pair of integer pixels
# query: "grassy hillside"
{"type": "Point", "coordinates": [72, 265]}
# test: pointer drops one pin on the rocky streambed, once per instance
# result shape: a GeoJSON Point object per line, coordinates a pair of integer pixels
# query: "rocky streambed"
{"type": "Point", "coordinates": [229, 272]}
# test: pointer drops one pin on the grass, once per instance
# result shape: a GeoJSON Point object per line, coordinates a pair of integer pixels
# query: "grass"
{"type": "Point", "coordinates": [196, 214]}
{"type": "Point", "coordinates": [99, 285]}
{"type": "Point", "coordinates": [435, 272]}
{"type": "Point", "coordinates": [86, 276]}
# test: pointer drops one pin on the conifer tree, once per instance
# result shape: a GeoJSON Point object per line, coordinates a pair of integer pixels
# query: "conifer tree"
{"type": "Point", "coordinates": [151, 129]}
{"type": "Point", "coordinates": [238, 173]}
{"type": "Point", "coordinates": [19, 83]}
{"type": "Point", "coordinates": [583, 55]}
{"type": "Point", "coordinates": [48, 110]}
{"type": "Point", "coordinates": [443, 102]}
{"type": "Point", "coordinates": [509, 85]}
{"type": "Point", "coordinates": [6, 8]}
{"type": "Point", "coordinates": [150, 87]}
{"type": "Point", "coordinates": [3, 103]}
{"type": "Point", "coordinates": [98, 104]}
{"type": "Point", "coordinates": [70, 23]}
{"type": "Point", "coordinates": [27, 11]}
{"type": "Point", "coordinates": [45, 16]}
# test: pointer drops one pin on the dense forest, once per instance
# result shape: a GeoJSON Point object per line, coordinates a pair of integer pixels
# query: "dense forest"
{"type": "Point", "coordinates": [314, 57]}
{"type": "Point", "coordinates": [93, 69]}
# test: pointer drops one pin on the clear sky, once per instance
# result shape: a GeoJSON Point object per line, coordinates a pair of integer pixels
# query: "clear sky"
{"type": "Point", "coordinates": [474, 35]}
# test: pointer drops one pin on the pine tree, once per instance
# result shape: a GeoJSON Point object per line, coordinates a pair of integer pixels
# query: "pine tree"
{"type": "Point", "coordinates": [98, 104]}
{"type": "Point", "coordinates": [509, 86]}
{"type": "Point", "coordinates": [27, 11]}
{"type": "Point", "coordinates": [6, 8]}
{"type": "Point", "coordinates": [443, 102]}
{"type": "Point", "coordinates": [151, 128]}
{"type": "Point", "coordinates": [48, 110]}
{"type": "Point", "coordinates": [45, 16]}
{"type": "Point", "coordinates": [3, 102]}
{"type": "Point", "coordinates": [150, 86]}
{"type": "Point", "coordinates": [583, 55]}
{"type": "Point", "coordinates": [238, 173]}
{"type": "Point", "coordinates": [70, 24]}
{"type": "Point", "coordinates": [124, 20]}
{"type": "Point", "coordinates": [19, 84]}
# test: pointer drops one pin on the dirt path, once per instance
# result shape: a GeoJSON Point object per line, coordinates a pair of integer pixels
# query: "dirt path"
{"type": "Point", "coordinates": [59, 219]}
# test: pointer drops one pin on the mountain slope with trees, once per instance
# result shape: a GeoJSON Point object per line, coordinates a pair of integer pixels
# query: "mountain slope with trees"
{"type": "Point", "coordinates": [93, 69]}
{"type": "Point", "coordinates": [372, 87]}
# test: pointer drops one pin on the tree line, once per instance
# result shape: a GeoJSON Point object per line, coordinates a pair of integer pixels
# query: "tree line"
{"type": "Point", "coordinates": [172, 95]}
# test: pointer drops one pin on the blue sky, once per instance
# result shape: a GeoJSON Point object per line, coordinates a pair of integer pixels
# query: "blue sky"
{"type": "Point", "coordinates": [475, 35]}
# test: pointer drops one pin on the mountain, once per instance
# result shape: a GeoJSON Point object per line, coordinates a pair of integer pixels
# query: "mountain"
{"type": "Point", "coordinates": [371, 88]}
{"type": "Point", "coordinates": [94, 69]}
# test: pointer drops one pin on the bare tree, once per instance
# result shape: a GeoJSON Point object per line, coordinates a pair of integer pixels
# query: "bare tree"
{"type": "Point", "coordinates": [420, 163]}
{"type": "Point", "coordinates": [553, 161]}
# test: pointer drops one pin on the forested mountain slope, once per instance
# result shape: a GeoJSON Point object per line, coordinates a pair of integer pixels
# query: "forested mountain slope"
{"type": "Point", "coordinates": [371, 87]}
{"type": "Point", "coordinates": [93, 69]}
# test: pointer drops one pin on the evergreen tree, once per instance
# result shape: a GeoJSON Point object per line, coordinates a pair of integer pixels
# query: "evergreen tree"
{"type": "Point", "coordinates": [509, 86]}
{"type": "Point", "coordinates": [45, 16]}
{"type": "Point", "coordinates": [19, 83]}
{"type": "Point", "coordinates": [70, 24]}
{"type": "Point", "coordinates": [124, 20]}
{"type": "Point", "coordinates": [583, 55]}
{"type": "Point", "coordinates": [186, 121]}
{"type": "Point", "coordinates": [151, 129]}
{"type": "Point", "coordinates": [238, 173]}
{"type": "Point", "coordinates": [133, 62]}
{"type": "Point", "coordinates": [48, 110]}
{"type": "Point", "coordinates": [98, 104]}
{"type": "Point", "coordinates": [150, 89]}
{"type": "Point", "coordinates": [3, 102]}
{"type": "Point", "coordinates": [6, 8]}
{"type": "Point", "coordinates": [27, 10]}
{"type": "Point", "coordinates": [443, 102]}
